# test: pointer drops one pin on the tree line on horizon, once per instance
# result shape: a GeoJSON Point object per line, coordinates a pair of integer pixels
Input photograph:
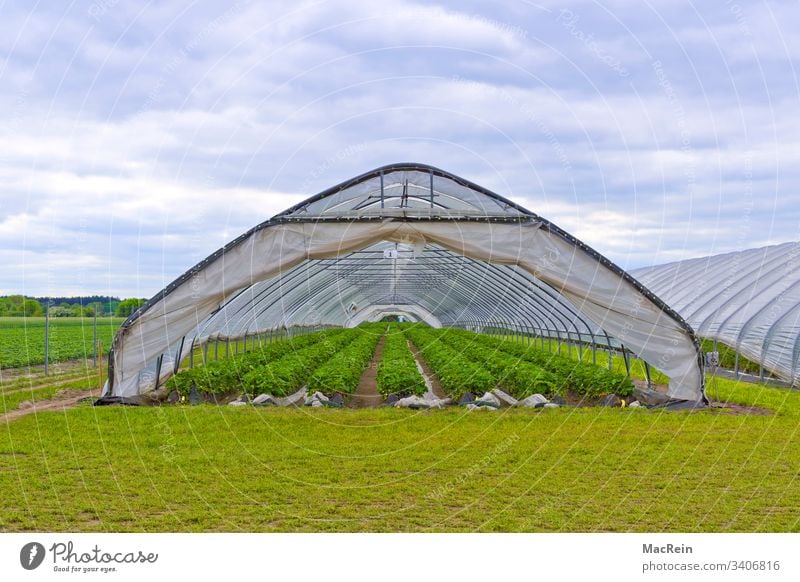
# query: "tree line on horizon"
{"type": "Point", "coordinates": [21, 306]}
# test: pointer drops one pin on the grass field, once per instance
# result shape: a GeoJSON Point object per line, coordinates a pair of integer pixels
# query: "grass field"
{"type": "Point", "coordinates": [208, 468]}
{"type": "Point", "coordinates": [22, 339]}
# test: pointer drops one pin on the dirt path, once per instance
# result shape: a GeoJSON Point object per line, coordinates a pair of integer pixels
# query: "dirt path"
{"type": "Point", "coordinates": [36, 372]}
{"type": "Point", "coordinates": [37, 386]}
{"type": "Point", "coordinates": [431, 379]}
{"type": "Point", "coordinates": [60, 402]}
{"type": "Point", "coordinates": [366, 395]}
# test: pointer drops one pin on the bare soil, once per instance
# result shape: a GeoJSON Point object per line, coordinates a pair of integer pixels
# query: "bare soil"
{"type": "Point", "coordinates": [60, 401]}
{"type": "Point", "coordinates": [436, 386]}
{"type": "Point", "coordinates": [738, 409]}
{"type": "Point", "coordinates": [367, 395]}
{"type": "Point", "coordinates": [37, 371]}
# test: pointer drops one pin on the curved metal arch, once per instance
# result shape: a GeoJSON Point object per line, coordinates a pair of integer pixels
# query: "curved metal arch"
{"type": "Point", "coordinates": [464, 264]}
{"type": "Point", "coordinates": [500, 200]}
{"type": "Point", "coordinates": [746, 280]}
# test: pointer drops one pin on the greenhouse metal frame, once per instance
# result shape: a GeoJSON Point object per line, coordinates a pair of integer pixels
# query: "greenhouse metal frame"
{"type": "Point", "coordinates": [748, 300]}
{"type": "Point", "coordinates": [411, 239]}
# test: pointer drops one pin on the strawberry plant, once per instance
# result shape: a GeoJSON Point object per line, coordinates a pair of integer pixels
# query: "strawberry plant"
{"type": "Point", "coordinates": [397, 371]}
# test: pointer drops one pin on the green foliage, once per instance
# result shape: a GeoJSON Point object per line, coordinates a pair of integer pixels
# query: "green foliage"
{"type": "Point", "coordinates": [343, 371]}
{"type": "Point", "coordinates": [22, 339]}
{"type": "Point", "coordinates": [457, 374]}
{"type": "Point", "coordinates": [518, 377]}
{"type": "Point", "coordinates": [286, 375]}
{"type": "Point", "coordinates": [19, 306]}
{"type": "Point", "coordinates": [583, 378]}
{"type": "Point", "coordinates": [397, 370]}
{"type": "Point", "coordinates": [127, 306]}
{"type": "Point", "coordinates": [227, 375]}
{"type": "Point", "coordinates": [727, 357]}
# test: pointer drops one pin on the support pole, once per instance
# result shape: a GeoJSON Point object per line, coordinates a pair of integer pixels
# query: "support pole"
{"type": "Point", "coordinates": [46, 336]}
{"type": "Point", "coordinates": [431, 172]}
{"type": "Point", "coordinates": [381, 188]}
{"type": "Point", "coordinates": [99, 348]}
{"type": "Point", "coordinates": [94, 336]}
{"type": "Point", "coordinates": [627, 361]}
{"type": "Point", "coordinates": [647, 375]}
{"type": "Point", "coordinates": [159, 362]}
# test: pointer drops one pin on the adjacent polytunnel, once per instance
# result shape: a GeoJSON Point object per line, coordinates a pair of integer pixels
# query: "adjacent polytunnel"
{"type": "Point", "coordinates": [749, 300]}
{"type": "Point", "coordinates": [409, 239]}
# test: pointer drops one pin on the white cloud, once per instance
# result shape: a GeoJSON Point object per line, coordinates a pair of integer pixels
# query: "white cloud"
{"type": "Point", "coordinates": [145, 140]}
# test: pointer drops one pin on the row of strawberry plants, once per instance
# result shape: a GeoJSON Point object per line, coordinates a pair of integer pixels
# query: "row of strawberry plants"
{"type": "Point", "coordinates": [457, 374]}
{"type": "Point", "coordinates": [517, 377]}
{"type": "Point", "coordinates": [290, 373]}
{"type": "Point", "coordinates": [221, 376]}
{"type": "Point", "coordinates": [397, 371]}
{"type": "Point", "coordinates": [582, 378]}
{"type": "Point", "coordinates": [343, 371]}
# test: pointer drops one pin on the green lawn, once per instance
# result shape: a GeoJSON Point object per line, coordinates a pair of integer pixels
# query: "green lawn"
{"type": "Point", "coordinates": [208, 468]}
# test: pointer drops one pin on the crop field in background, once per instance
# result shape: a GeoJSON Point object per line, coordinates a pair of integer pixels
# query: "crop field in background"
{"type": "Point", "coordinates": [22, 339]}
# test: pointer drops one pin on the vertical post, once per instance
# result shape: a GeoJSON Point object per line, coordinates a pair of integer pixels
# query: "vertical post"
{"type": "Point", "coordinates": [227, 347]}
{"type": "Point", "coordinates": [159, 362]}
{"type": "Point", "coordinates": [647, 374]}
{"type": "Point", "coordinates": [94, 336]}
{"type": "Point", "coordinates": [178, 356]}
{"type": "Point", "coordinates": [627, 361]}
{"type": "Point", "coordinates": [191, 355]}
{"type": "Point", "coordinates": [46, 335]}
{"type": "Point", "coordinates": [205, 352]}
{"type": "Point", "coordinates": [100, 364]}
{"type": "Point", "coordinates": [736, 365]}
{"type": "Point", "coordinates": [381, 188]}
{"type": "Point", "coordinates": [431, 172]}
{"type": "Point", "coordinates": [216, 348]}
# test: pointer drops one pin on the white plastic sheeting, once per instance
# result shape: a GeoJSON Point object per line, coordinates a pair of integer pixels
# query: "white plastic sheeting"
{"type": "Point", "coordinates": [749, 300]}
{"type": "Point", "coordinates": [414, 238]}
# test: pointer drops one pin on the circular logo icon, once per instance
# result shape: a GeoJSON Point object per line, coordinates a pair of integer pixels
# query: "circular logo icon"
{"type": "Point", "coordinates": [31, 555]}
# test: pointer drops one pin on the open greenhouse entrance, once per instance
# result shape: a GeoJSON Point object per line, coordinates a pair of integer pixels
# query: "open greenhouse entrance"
{"type": "Point", "coordinates": [413, 240]}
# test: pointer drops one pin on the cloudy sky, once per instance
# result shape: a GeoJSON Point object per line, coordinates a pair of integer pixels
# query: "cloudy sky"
{"type": "Point", "coordinates": [138, 137]}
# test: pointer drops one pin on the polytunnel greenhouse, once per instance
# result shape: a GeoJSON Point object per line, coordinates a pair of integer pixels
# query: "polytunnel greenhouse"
{"type": "Point", "coordinates": [410, 240]}
{"type": "Point", "coordinates": [748, 300]}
